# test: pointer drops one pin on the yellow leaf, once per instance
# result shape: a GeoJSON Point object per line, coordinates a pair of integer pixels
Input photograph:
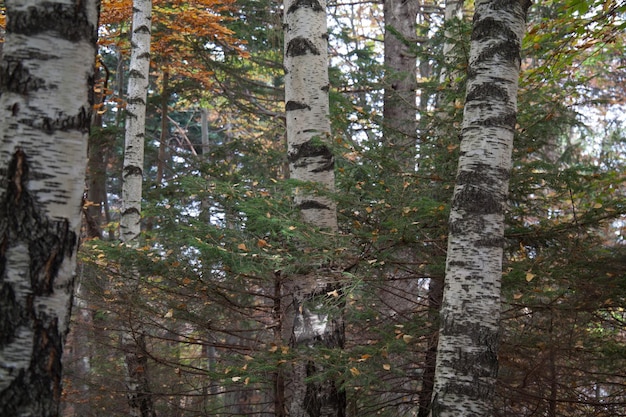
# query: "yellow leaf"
{"type": "Point", "coordinates": [169, 313]}
{"type": "Point", "coordinates": [407, 338]}
{"type": "Point", "coordinates": [597, 205]}
{"type": "Point", "coordinates": [355, 372]}
{"type": "Point", "coordinates": [246, 381]}
{"type": "Point", "coordinates": [242, 246]}
{"type": "Point", "coordinates": [529, 276]}
{"type": "Point", "coordinates": [273, 348]}
{"type": "Point", "coordinates": [386, 366]}
{"type": "Point", "coordinates": [261, 243]}
{"type": "Point", "coordinates": [517, 296]}
{"type": "Point", "coordinates": [333, 293]}
{"type": "Point", "coordinates": [236, 378]}
{"type": "Point", "coordinates": [368, 209]}
{"type": "Point", "coordinates": [248, 358]}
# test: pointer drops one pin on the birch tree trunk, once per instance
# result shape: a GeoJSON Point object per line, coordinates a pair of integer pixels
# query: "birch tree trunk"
{"type": "Point", "coordinates": [132, 173]}
{"type": "Point", "coordinates": [306, 106]}
{"type": "Point", "coordinates": [310, 159]}
{"type": "Point", "coordinates": [133, 339]}
{"type": "Point", "coordinates": [46, 80]}
{"type": "Point", "coordinates": [467, 361]}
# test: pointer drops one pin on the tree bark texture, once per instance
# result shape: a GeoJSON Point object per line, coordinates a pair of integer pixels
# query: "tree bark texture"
{"type": "Point", "coordinates": [307, 109]}
{"type": "Point", "coordinates": [46, 93]}
{"type": "Point", "coordinates": [132, 172]}
{"type": "Point", "coordinates": [467, 361]}
{"type": "Point", "coordinates": [399, 111]}
{"type": "Point", "coordinates": [311, 160]}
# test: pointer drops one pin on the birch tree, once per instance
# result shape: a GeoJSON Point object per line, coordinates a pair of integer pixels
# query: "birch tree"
{"type": "Point", "coordinates": [467, 361]}
{"type": "Point", "coordinates": [46, 78]}
{"type": "Point", "coordinates": [132, 175]}
{"type": "Point", "coordinates": [133, 339]}
{"type": "Point", "coordinates": [310, 159]}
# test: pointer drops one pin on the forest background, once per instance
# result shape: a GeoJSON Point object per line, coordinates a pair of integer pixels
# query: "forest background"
{"type": "Point", "coordinates": [201, 293]}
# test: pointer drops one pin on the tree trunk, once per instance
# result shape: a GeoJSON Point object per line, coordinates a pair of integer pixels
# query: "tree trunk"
{"type": "Point", "coordinates": [307, 109]}
{"type": "Point", "coordinates": [399, 111]}
{"type": "Point", "coordinates": [132, 338]}
{"type": "Point", "coordinates": [132, 172]}
{"type": "Point", "coordinates": [46, 81]}
{"type": "Point", "coordinates": [467, 362]}
{"type": "Point", "coordinates": [310, 159]}
{"type": "Point", "coordinates": [165, 98]}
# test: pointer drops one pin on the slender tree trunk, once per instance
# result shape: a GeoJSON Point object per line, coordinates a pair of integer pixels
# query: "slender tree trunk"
{"type": "Point", "coordinates": [453, 13]}
{"type": "Point", "coordinates": [133, 339]}
{"type": "Point", "coordinates": [310, 159]}
{"type": "Point", "coordinates": [399, 111]}
{"type": "Point", "coordinates": [467, 362]}
{"type": "Point", "coordinates": [165, 98]}
{"type": "Point", "coordinates": [96, 169]}
{"type": "Point", "coordinates": [132, 175]}
{"type": "Point", "coordinates": [204, 133]}
{"type": "Point", "coordinates": [46, 81]}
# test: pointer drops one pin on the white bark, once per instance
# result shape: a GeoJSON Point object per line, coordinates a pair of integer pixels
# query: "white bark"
{"type": "Point", "coordinates": [307, 109]}
{"type": "Point", "coordinates": [310, 159]}
{"type": "Point", "coordinates": [130, 222]}
{"type": "Point", "coordinates": [467, 352]}
{"type": "Point", "coordinates": [45, 83]}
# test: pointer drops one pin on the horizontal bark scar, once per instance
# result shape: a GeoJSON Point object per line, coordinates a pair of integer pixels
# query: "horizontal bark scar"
{"type": "Point", "coordinates": [307, 150]}
{"type": "Point", "coordinates": [301, 46]}
{"type": "Point", "coordinates": [71, 21]}
{"type": "Point", "coordinates": [311, 4]}
{"type": "Point", "coordinates": [296, 105]}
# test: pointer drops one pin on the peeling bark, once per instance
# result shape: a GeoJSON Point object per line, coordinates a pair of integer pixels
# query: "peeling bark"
{"type": "Point", "coordinates": [467, 361]}
{"type": "Point", "coordinates": [46, 80]}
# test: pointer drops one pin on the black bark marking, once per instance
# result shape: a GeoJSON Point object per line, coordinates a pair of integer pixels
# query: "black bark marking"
{"type": "Point", "coordinates": [135, 74]}
{"type": "Point", "coordinates": [49, 243]}
{"type": "Point", "coordinates": [482, 175]}
{"type": "Point", "coordinates": [312, 205]}
{"type": "Point", "coordinates": [131, 210]}
{"type": "Point", "coordinates": [310, 149]}
{"type": "Point", "coordinates": [132, 170]}
{"type": "Point", "coordinates": [15, 78]}
{"type": "Point", "coordinates": [142, 29]}
{"type": "Point", "coordinates": [296, 105]}
{"type": "Point", "coordinates": [70, 21]}
{"type": "Point", "coordinates": [311, 4]}
{"type": "Point", "coordinates": [301, 46]}
{"type": "Point", "coordinates": [487, 91]}
{"type": "Point", "coordinates": [63, 122]}
{"type": "Point", "coordinates": [472, 199]}
{"type": "Point", "coordinates": [136, 100]}
{"type": "Point", "coordinates": [508, 46]}
{"type": "Point", "coordinates": [506, 120]}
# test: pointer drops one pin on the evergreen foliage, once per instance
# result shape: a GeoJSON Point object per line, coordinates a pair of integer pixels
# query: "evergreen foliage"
{"type": "Point", "coordinates": [225, 235]}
